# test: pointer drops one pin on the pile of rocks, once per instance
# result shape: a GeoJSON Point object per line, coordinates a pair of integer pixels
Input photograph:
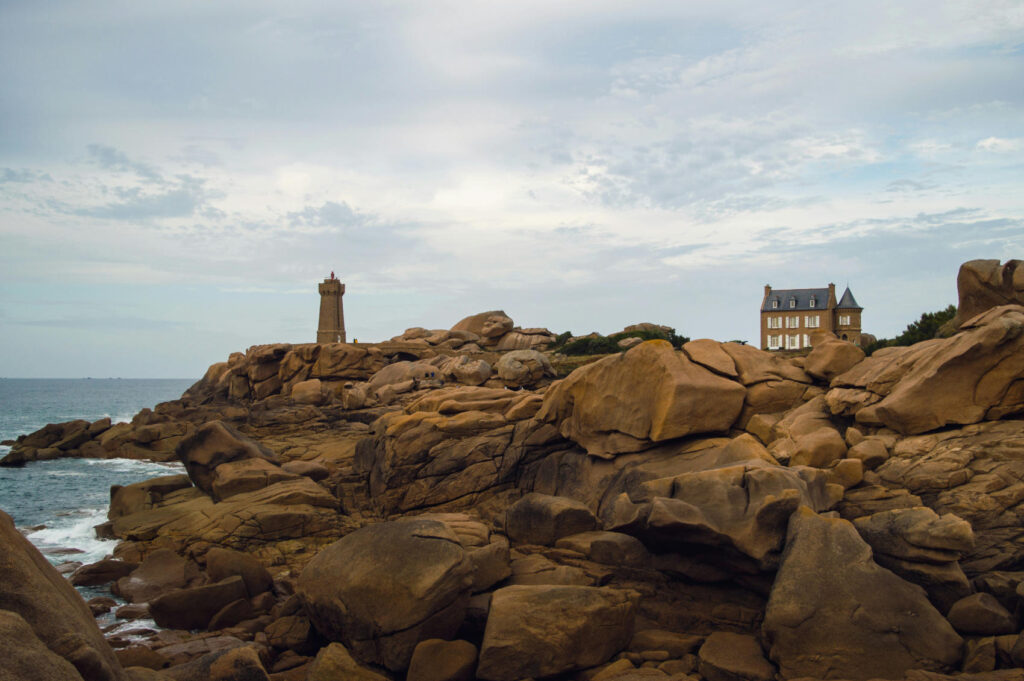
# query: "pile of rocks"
{"type": "Point", "coordinates": [714, 512]}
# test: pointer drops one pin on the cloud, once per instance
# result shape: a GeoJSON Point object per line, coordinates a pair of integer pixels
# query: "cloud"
{"type": "Point", "coordinates": [1000, 145]}
{"type": "Point", "coordinates": [329, 214]}
{"type": "Point", "coordinates": [110, 158]}
{"type": "Point", "coordinates": [184, 197]}
{"type": "Point", "coordinates": [23, 176]}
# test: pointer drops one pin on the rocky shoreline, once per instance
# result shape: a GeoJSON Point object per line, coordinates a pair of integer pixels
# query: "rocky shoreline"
{"type": "Point", "coordinates": [445, 507]}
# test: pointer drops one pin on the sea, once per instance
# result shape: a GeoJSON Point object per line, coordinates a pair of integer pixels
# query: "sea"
{"type": "Point", "coordinates": [57, 503]}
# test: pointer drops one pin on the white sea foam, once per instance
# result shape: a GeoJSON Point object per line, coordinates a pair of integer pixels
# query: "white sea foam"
{"type": "Point", "coordinates": [133, 465]}
{"type": "Point", "coordinates": [75, 531]}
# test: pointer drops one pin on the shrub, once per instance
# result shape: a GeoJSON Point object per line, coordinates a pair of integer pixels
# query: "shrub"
{"type": "Point", "coordinates": [925, 328]}
{"type": "Point", "coordinates": [605, 345]}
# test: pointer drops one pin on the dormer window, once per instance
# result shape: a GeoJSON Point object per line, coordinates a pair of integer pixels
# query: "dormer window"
{"type": "Point", "coordinates": [775, 303]}
{"type": "Point", "coordinates": [812, 302]}
{"type": "Point", "coordinates": [792, 302]}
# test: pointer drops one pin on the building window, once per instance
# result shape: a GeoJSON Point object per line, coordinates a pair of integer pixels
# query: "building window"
{"type": "Point", "coordinates": [774, 342]}
{"type": "Point", "coordinates": [792, 322]}
{"type": "Point", "coordinates": [775, 303]}
{"type": "Point", "coordinates": [812, 321]}
{"type": "Point", "coordinates": [792, 302]}
{"type": "Point", "coordinates": [844, 320]}
{"type": "Point", "coordinates": [807, 341]}
{"type": "Point", "coordinates": [813, 301]}
{"type": "Point", "coordinates": [774, 322]}
{"type": "Point", "coordinates": [793, 342]}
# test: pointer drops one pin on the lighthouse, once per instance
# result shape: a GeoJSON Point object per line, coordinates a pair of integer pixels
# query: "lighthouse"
{"type": "Point", "coordinates": [332, 313]}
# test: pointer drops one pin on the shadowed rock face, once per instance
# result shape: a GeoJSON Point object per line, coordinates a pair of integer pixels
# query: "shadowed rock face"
{"type": "Point", "coordinates": [386, 587]}
{"type": "Point", "coordinates": [26, 657]}
{"type": "Point", "coordinates": [834, 614]}
{"type": "Point", "coordinates": [50, 606]}
{"type": "Point", "coordinates": [535, 631]}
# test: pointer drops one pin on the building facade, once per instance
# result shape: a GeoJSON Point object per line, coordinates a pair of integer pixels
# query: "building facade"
{"type": "Point", "coordinates": [791, 318]}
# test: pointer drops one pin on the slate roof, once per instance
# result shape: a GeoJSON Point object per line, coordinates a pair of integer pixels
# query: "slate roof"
{"type": "Point", "coordinates": [802, 296]}
{"type": "Point", "coordinates": [848, 302]}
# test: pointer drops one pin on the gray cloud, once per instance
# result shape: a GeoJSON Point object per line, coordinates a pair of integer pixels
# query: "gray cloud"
{"type": "Point", "coordinates": [328, 214]}
{"type": "Point", "coordinates": [110, 158]}
{"type": "Point", "coordinates": [23, 175]}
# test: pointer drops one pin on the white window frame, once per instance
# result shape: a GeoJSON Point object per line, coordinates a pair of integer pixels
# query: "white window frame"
{"type": "Point", "coordinates": [774, 342]}
{"type": "Point", "coordinates": [807, 341]}
{"type": "Point", "coordinates": [844, 320]}
{"type": "Point", "coordinates": [792, 322]}
{"type": "Point", "coordinates": [812, 302]}
{"type": "Point", "coordinates": [812, 321]}
{"type": "Point", "coordinates": [774, 322]}
{"type": "Point", "coordinates": [792, 303]}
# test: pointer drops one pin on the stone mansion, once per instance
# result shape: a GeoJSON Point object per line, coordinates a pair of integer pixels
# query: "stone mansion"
{"type": "Point", "coordinates": [790, 318]}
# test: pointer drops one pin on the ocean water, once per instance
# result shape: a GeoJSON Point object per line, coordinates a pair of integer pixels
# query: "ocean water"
{"type": "Point", "coordinates": [57, 503]}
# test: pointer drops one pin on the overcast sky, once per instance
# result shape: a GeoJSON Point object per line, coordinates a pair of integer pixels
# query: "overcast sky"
{"type": "Point", "coordinates": [176, 177]}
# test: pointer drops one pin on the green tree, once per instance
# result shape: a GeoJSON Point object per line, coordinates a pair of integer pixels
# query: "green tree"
{"type": "Point", "coordinates": [925, 328]}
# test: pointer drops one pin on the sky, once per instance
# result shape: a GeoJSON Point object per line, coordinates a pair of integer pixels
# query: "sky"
{"type": "Point", "coordinates": [177, 177]}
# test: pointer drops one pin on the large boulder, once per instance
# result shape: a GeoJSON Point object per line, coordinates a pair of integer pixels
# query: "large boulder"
{"type": "Point", "coordinates": [523, 368]}
{"type": "Point", "coordinates": [140, 496]}
{"type": "Point", "coordinates": [385, 587]}
{"type": "Point", "coordinates": [544, 519]}
{"type": "Point", "coordinates": [831, 358]}
{"type": "Point", "coordinates": [649, 394]}
{"type": "Point", "coordinates": [101, 572]}
{"type": "Point", "coordinates": [161, 571]}
{"type": "Point", "coordinates": [834, 614]}
{"type": "Point", "coordinates": [489, 326]}
{"type": "Point", "coordinates": [222, 563]}
{"type": "Point", "coordinates": [240, 663]}
{"type": "Point", "coordinates": [468, 371]}
{"type": "Point", "coordinates": [213, 444]}
{"type": "Point", "coordinates": [32, 589]}
{"type": "Point", "coordinates": [922, 547]}
{"type": "Point", "coordinates": [537, 631]}
{"type": "Point", "coordinates": [438, 660]}
{"type": "Point", "coordinates": [726, 656]}
{"type": "Point", "coordinates": [984, 284]}
{"type": "Point", "coordinates": [26, 657]}
{"type": "Point", "coordinates": [334, 662]}
{"type": "Point", "coordinates": [246, 475]}
{"type": "Point", "coordinates": [733, 499]}
{"type": "Point", "coordinates": [194, 607]}
{"type": "Point", "coordinates": [973, 376]}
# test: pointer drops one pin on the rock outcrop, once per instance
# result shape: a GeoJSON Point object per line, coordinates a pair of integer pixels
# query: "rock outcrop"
{"type": "Point", "coordinates": [649, 394]}
{"type": "Point", "coordinates": [40, 608]}
{"type": "Point", "coordinates": [984, 284]}
{"type": "Point", "coordinates": [439, 506]}
{"type": "Point", "coordinates": [972, 377]}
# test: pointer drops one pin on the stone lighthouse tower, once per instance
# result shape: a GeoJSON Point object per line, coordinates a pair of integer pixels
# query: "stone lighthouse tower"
{"type": "Point", "coordinates": [332, 314]}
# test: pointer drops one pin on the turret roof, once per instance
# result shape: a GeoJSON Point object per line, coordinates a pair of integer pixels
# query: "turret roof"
{"type": "Point", "coordinates": [848, 302]}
